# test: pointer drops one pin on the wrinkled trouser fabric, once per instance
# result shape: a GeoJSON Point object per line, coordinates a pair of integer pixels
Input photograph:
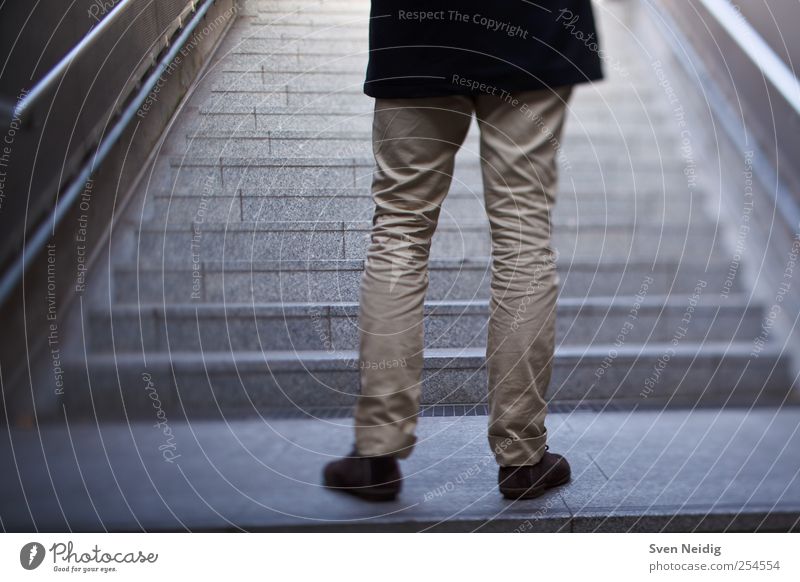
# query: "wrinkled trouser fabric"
{"type": "Point", "coordinates": [415, 142]}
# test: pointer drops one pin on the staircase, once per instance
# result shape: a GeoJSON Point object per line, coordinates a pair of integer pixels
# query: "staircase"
{"type": "Point", "coordinates": [234, 282]}
{"type": "Point", "coordinates": [227, 312]}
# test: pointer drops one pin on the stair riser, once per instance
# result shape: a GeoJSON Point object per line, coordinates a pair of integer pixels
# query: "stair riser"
{"type": "Point", "coordinates": [345, 24]}
{"type": "Point", "coordinates": [579, 154]}
{"type": "Point", "coordinates": [224, 100]}
{"type": "Point", "coordinates": [262, 39]}
{"type": "Point", "coordinates": [343, 173]}
{"type": "Point", "coordinates": [282, 7]}
{"type": "Point", "coordinates": [338, 60]}
{"type": "Point", "coordinates": [314, 80]}
{"type": "Point", "coordinates": [206, 177]}
{"type": "Point", "coordinates": [353, 26]}
{"type": "Point", "coordinates": [318, 78]}
{"type": "Point", "coordinates": [338, 96]}
{"type": "Point", "coordinates": [319, 330]}
{"type": "Point", "coordinates": [305, 9]}
{"type": "Point", "coordinates": [282, 62]}
{"type": "Point", "coordinates": [447, 243]}
{"type": "Point", "coordinates": [259, 387]}
{"type": "Point", "coordinates": [288, 68]}
{"type": "Point", "coordinates": [319, 46]}
{"type": "Point", "coordinates": [239, 285]}
{"type": "Point", "coordinates": [572, 189]}
{"type": "Point", "coordinates": [600, 126]}
{"type": "Point", "coordinates": [569, 210]}
{"type": "Point", "coordinates": [218, 120]}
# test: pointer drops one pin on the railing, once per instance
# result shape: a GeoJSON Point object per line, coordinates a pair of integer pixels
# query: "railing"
{"type": "Point", "coordinates": [744, 88]}
{"type": "Point", "coordinates": [751, 43]}
{"type": "Point", "coordinates": [761, 92]}
{"type": "Point", "coordinates": [65, 125]}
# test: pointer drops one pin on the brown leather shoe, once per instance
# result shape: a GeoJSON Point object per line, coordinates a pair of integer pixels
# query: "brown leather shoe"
{"type": "Point", "coordinates": [372, 478]}
{"type": "Point", "coordinates": [529, 481]}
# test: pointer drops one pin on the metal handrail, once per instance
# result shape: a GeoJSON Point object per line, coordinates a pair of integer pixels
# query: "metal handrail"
{"type": "Point", "coordinates": [776, 74]}
{"type": "Point", "coordinates": [757, 50]}
{"type": "Point", "coordinates": [25, 105]}
{"type": "Point", "coordinates": [42, 234]}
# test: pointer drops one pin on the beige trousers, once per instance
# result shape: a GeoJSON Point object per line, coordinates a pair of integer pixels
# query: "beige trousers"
{"type": "Point", "coordinates": [415, 142]}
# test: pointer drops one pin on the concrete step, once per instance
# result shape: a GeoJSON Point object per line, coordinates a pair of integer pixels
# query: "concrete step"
{"type": "Point", "coordinates": [308, 16]}
{"type": "Point", "coordinates": [224, 117]}
{"type": "Point", "coordinates": [206, 384]}
{"type": "Point", "coordinates": [352, 204]}
{"type": "Point", "coordinates": [203, 183]}
{"type": "Point", "coordinates": [281, 60]}
{"type": "Point", "coordinates": [270, 81]}
{"type": "Point", "coordinates": [310, 23]}
{"type": "Point", "coordinates": [336, 240]}
{"type": "Point", "coordinates": [348, 37]}
{"type": "Point", "coordinates": [347, 24]}
{"type": "Point", "coordinates": [261, 42]}
{"type": "Point", "coordinates": [268, 78]}
{"type": "Point", "coordinates": [284, 7]}
{"type": "Point", "coordinates": [638, 149]}
{"type": "Point", "coordinates": [336, 109]}
{"type": "Point", "coordinates": [356, 28]}
{"type": "Point", "coordinates": [338, 281]}
{"type": "Point", "coordinates": [284, 62]}
{"type": "Point", "coordinates": [612, 118]}
{"type": "Point", "coordinates": [448, 324]}
{"type": "Point", "coordinates": [310, 91]}
{"type": "Point", "coordinates": [349, 120]}
{"type": "Point", "coordinates": [202, 175]}
{"type": "Point", "coordinates": [224, 100]}
{"type": "Point", "coordinates": [611, 94]}
{"type": "Point", "coordinates": [648, 471]}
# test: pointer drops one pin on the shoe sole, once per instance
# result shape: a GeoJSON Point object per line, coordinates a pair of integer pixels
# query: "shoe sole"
{"type": "Point", "coordinates": [378, 496]}
{"type": "Point", "coordinates": [367, 494]}
{"type": "Point", "coordinates": [532, 492]}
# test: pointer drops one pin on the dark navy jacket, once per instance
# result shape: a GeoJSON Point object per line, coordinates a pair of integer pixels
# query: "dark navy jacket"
{"type": "Point", "coordinates": [421, 48]}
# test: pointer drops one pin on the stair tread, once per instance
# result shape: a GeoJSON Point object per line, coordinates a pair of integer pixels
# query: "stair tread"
{"type": "Point", "coordinates": [445, 223]}
{"type": "Point", "coordinates": [671, 167]}
{"type": "Point", "coordinates": [651, 302]}
{"type": "Point", "coordinates": [436, 356]}
{"type": "Point", "coordinates": [630, 471]}
{"type": "Point", "coordinates": [662, 263]}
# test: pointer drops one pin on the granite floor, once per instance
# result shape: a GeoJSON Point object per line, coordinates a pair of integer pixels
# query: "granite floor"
{"type": "Point", "coordinates": [644, 470]}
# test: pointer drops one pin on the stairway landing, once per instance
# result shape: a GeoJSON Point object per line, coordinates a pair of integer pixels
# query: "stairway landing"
{"type": "Point", "coordinates": [701, 470]}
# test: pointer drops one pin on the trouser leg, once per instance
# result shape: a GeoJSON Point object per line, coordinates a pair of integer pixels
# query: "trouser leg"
{"type": "Point", "coordinates": [519, 145]}
{"type": "Point", "coordinates": [415, 142]}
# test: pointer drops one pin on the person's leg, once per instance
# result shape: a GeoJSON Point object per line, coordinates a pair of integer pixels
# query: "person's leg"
{"type": "Point", "coordinates": [415, 142]}
{"type": "Point", "coordinates": [519, 145]}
